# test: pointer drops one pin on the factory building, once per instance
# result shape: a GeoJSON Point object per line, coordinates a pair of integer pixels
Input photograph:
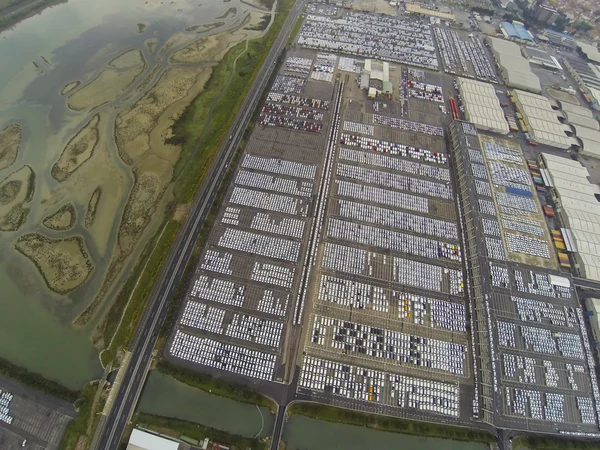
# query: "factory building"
{"type": "Point", "coordinates": [512, 66]}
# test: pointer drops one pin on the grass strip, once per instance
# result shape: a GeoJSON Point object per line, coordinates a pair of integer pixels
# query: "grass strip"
{"type": "Point", "coordinates": [295, 31]}
{"type": "Point", "coordinates": [216, 386]}
{"type": "Point", "coordinates": [389, 424]}
{"type": "Point", "coordinates": [190, 125]}
{"type": "Point", "coordinates": [177, 427]}
{"type": "Point", "coordinates": [551, 443]}
{"type": "Point", "coordinates": [36, 381]}
{"type": "Point", "coordinates": [79, 426]}
{"type": "Point", "coordinates": [136, 293]}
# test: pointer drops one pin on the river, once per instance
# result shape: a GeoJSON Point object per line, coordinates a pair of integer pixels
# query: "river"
{"type": "Point", "coordinates": [73, 42]}
{"type": "Point", "coordinates": [165, 396]}
{"type": "Point", "coordinates": [303, 433]}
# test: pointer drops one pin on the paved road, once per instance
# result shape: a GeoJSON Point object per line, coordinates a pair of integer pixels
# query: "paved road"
{"type": "Point", "coordinates": [145, 337]}
{"type": "Point", "coordinates": [586, 284]}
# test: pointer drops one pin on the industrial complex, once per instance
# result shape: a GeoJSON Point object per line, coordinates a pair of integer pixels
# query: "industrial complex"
{"type": "Point", "coordinates": [408, 230]}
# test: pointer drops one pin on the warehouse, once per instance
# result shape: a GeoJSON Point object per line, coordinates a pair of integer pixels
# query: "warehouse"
{"type": "Point", "coordinates": [589, 52]}
{"type": "Point", "coordinates": [578, 209]}
{"type": "Point", "coordinates": [142, 440]}
{"type": "Point", "coordinates": [560, 39]}
{"type": "Point", "coordinates": [541, 58]}
{"type": "Point", "coordinates": [482, 106]}
{"type": "Point", "coordinates": [542, 120]}
{"type": "Point", "coordinates": [593, 307]}
{"type": "Point", "coordinates": [585, 74]}
{"type": "Point", "coordinates": [516, 31]}
{"type": "Point", "coordinates": [579, 115]}
{"type": "Point", "coordinates": [589, 138]}
{"type": "Point", "coordinates": [513, 66]}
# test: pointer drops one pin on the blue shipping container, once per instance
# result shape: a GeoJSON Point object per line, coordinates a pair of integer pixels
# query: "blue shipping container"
{"type": "Point", "coordinates": [522, 192]}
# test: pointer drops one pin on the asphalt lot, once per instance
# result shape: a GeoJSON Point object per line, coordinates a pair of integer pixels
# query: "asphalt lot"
{"type": "Point", "coordinates": [37, 418]}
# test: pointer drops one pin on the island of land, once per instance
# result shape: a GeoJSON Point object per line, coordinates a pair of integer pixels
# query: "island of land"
{"type": "Point", "coordinates": [15, 191]}
{"type": "Point", "coordinates": [61, 220]}
{"type": "Point", "coordinates": [10, 139]}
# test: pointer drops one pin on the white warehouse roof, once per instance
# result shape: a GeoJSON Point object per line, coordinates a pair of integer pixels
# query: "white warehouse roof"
{"type": "Point", "coordinates": [576, 109]}
{"type": "Point", "coordinates": [482, 106]}
{"type": "Point", "coordinates": [514, 67]}
{"type": "Point", "coordinates": [579, 209]}
{"type": "Point", "coordinates": [543, 123]}
{"type": "Point", "coordinates": [590, 51]}
{"type": "Point", "coordinates": [141, 440]}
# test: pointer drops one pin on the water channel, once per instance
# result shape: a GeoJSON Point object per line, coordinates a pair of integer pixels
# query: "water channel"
{"type": "Point", "coordinates": [69, 42]}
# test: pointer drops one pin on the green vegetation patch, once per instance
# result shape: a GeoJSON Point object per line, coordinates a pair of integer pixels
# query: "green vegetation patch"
{"type": "Point", "coordinates": [197, 121]}
{"type": "Point", "coordinates": [389, 424]}
{"type": "Point", "coordinates": [159, 248]}
{"type": "Point", "coordinates": [295, 31]}
{"type": "Point", "coordinates": [216, 386]}
{"type": "Point", "coordinates": [549, 443]}
{"type": "Point", "coordinates": [36, 381]}
{"type": "Point", "coordinates": [177, 428]}
{"type": "Point", "coordinates": [79, 426]}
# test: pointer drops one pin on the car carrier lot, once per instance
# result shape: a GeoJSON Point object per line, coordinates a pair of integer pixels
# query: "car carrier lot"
{"type": "Point", "coordinates": [236, 317]}
{"type": "Point", "coordinates": [339, 250]}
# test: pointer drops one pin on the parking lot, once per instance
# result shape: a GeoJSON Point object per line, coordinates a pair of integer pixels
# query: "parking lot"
{"type": "Point", "coordinates": [540, 366]}
{"type": "Point", "coordinates": [387, 329]}
{"type": "Point", "coordinates": [26, 415]}
{"type": "Point", "coordinates": [236, 315]}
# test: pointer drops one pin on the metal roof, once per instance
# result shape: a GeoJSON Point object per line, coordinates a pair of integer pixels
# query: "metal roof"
{"type": "Point", "coordinates": [482, 106]}
{"type": "Point", "coordinates": [515, 66]}
{"type": "Point", "coordinates": [587, 133]}
{"type": "Point", "coordinates": [576, 109]}
{"type": "Point", "coordinates": [517, 30]}
{"type": "Point", "coordinates": [590, 51]}
{"type": "Point", "coordinates": [147, 441]}
{"type": "Point", "coordinates": [543, 122]}
{"type": "Point", "coordinates": [579, 209]}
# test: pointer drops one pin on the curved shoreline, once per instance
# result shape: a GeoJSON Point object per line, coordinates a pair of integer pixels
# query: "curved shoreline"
{"type": "Point", "coordinates": [45, 241]}
{"type": "Point", "coordinates": [68, 208]}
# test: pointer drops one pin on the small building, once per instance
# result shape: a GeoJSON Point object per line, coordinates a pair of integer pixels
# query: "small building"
{"type": "Point", "coordinates": [560, 39]}
{"type": "Point", "coordinates": [588, 51]}
{"type": "Point", "coordinates": [372, 93]}
{"type": "Point", "coordinates": [388, 88]}
{"type": "Point", "coordinates": [513, 67]}
{"type": "Point", "coordinates": [541, 58]}
{"type": "Point", "coordinates": [143, 440]}
{"type": "Point", "coordinates": [593, 308]}
{"type": "Point", "coordinates": [364, 81]}
{"type": "Point", "coordinates": [415, 8]}
{"type": "Point", "coordinates": [516, 31]}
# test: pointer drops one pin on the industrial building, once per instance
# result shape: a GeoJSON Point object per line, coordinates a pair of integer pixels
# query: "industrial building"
{"type": "Point", "coordinates": [560, 39]}
{"type": "Point", "coordinates": [577, 209]}
{"type": "Point", "coordinates": [143, 440]}
{"type": "Point", "coordinates": [516, 31]}
{"type": "Point", "coordinates": [593, 307]}
{"type": "Point", "coordinates": [542, 121]}
{"type": "Point", "coordinates": [588, 51]}
{"type": "Point", "coordinates": [541, 58]}
{"type": "Point", "coordinates": [589, 140]}
{"type": "Point", "coordinates": [376, 74]}
{"type": "Point", "coordinates": [587, 77]}
{"type": "Point", "coordinates": [481, 105]}
{"type": "Point", "coordinates": [513, 67]}
{"type": "Point", "coordinates": [415, 8]}
{"type": "Point", "coordinates": [579, 116]}
{"type": "Point", "coordinates": [545, 14]}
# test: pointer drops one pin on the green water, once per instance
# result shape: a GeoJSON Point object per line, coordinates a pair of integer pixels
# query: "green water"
{"type": "Point", "coordinates": [303, 433]}
{"type": "Point", "coordinates": [165, 396]}
{"type": "Point", "coordinates": [76, 39]}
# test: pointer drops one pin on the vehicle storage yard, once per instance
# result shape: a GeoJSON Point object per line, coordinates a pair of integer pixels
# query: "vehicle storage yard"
{"type": "Point", "coordinates": [538, 355]}
{"type": "Point", "coordinates": [238, 311]}
{"type": "Point", "coordinates": [344, 242]}
{"type": "Point", "coordinates": [31, 419]}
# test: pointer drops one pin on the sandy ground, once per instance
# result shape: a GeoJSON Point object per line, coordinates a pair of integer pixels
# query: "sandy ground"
{"type": "Point", "coordinates": [15, 191]}
{"type": "Point", "coordinates": [78, 150]}
{"type": "Point", "coordinates": [563, 96]}
{"type": "Point", "coordinates": [63, 263]}
{"type": "Point", "coordinates": [61, 220]}
{"type": "Point", "coordinates": [92, 207]}
{"type": "Point", "coordinates": [10, 139]}
{"type": "Point", "coordinates": [151, 44]}
{"type": "Point", "coordinates": [377, 7]}
{"type": "Point", "coordinates": [109, 83]}
{"type": "Point", "coordinates": [69, 87]}
{"type": "Point", "coordinates": [140, 134]}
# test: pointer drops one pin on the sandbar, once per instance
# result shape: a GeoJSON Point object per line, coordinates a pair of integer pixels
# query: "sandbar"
{"type": "Point", "coordinates": [10, 140]}
{"type": "Point", "coordinates": [109, 83]}
{"type": "Point", "coordinates": [63, 263]}
{"type": "Point", "coordinates": [69, 87]}
{"type": "Point", "coordinates": [92, 208]}
{"type": "Point", "coordinates": [61, 220]}
{"type": "Point", "coordinates": [78, 150]}
{"type": "Point", "coordinates": [16, 190]}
